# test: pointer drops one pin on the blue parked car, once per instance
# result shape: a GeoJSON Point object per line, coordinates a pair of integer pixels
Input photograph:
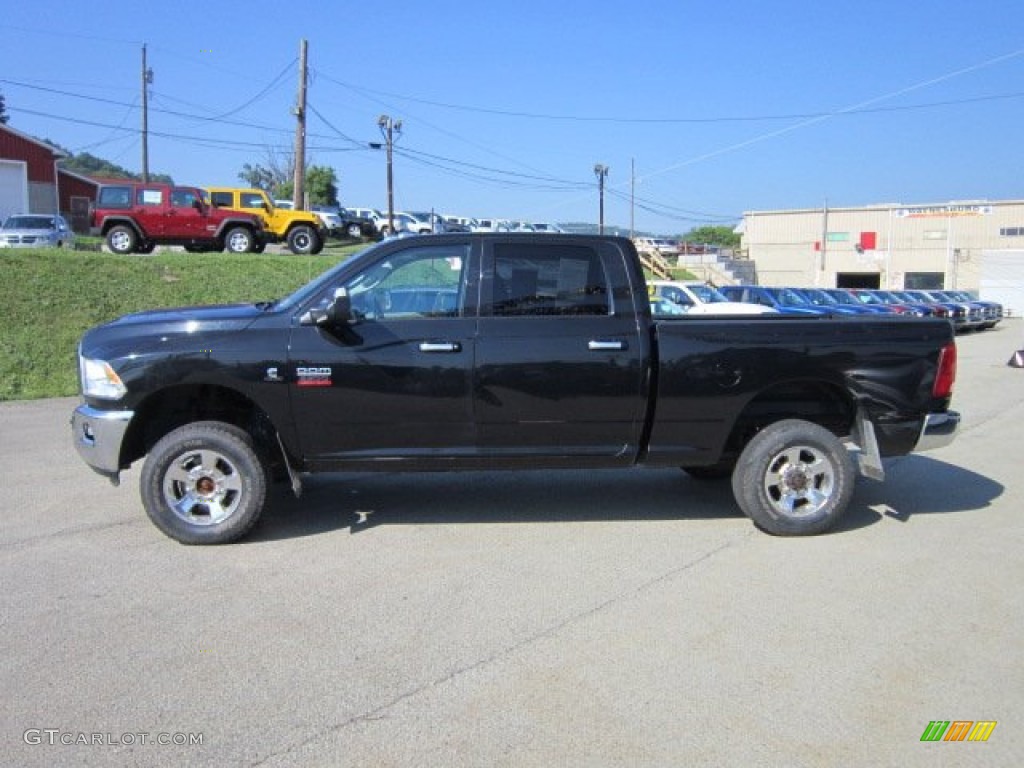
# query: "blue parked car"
{"type": "Point", "coordinates": [784, 300]}
{"type": "Point", "coordinates": [816, 297]}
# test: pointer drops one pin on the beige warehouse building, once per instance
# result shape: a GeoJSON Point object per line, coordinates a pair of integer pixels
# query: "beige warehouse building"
{"type": "Point", "coordinates": [975, 246]}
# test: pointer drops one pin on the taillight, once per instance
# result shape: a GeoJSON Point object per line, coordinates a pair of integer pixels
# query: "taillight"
{"type": "Point", "coordinates": [946, 375]}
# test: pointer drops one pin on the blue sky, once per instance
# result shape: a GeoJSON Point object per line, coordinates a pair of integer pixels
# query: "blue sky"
{"type": "Point", "coordinates": [506, 107]}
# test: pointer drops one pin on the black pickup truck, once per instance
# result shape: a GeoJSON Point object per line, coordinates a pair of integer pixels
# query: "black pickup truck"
{"type": "Point", "coordinates": [474, 351]}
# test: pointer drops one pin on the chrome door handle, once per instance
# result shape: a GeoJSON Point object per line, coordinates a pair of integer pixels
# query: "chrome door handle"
{"type": "Point", "coordinates": [440, 346]}
{"type": "Point", "coordinates": [597, 345]}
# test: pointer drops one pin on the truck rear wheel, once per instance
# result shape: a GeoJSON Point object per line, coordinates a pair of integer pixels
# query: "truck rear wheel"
{"type": "Point", "coordinates": [122, 239]}
{"type": "Point", "coordinates": [303, 240]}
{"type": "Point", "coordinates": [794, 478]}
{"type": "Point", "coordinates": [239, 240]}
{"type": "Point", "coordinates": [204, 483]}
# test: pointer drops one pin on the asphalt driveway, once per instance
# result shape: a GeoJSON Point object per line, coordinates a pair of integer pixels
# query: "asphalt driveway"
{"type": "Point", "coordinates": [521, 619]}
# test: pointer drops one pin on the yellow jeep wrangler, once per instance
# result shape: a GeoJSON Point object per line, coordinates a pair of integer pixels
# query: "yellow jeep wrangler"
{"type": "Point", "coordinates": [302, 231]}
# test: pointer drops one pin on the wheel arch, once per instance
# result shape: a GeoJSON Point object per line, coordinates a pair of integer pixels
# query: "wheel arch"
{"type": "Point", "coordinates": [110, 222]}
{"type": "Point", "coordinates": [173, 407]}
{"type": "Point", "coordinates": [820, 402]}
{"type": "Point", "coordinates": [228, 224]}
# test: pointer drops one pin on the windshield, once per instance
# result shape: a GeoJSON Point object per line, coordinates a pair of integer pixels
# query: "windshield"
{"type": "Point", "coordinates": [29, 222]}
{"type": "Point", "coordinates": [845, 297]}
{"type": "Point", "coordinates": [707, 294]}
{"type": "Point", "coordinates": [818, 297]}
{"type": "Point", "coordinates": [787, 297]}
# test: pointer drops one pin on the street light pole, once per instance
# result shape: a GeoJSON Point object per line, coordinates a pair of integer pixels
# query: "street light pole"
{"type": "Point", "coordinates": [601, 171]}
{"type": "Point", "coordinates": [389, 128]}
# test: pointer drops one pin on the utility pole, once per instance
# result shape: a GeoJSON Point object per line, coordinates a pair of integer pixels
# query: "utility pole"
{"type": "Point", "coordinates": [299, 180]}
{"type": "Point", "coordinates": [632, 198]}
{"type": "Point", "coordinates": [824, 244]}
{"type": "Point", "coordinates": [147, 79]}
{"type": "Point", "coordinates": [601, 171]}
{"type": "Point", "coordinates": [389, 128]}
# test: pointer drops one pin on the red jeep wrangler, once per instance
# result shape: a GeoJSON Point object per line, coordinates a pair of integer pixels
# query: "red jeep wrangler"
{"type": "Point", "coordinates": [136, 217]}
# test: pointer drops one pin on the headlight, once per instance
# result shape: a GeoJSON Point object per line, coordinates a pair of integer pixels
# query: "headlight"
{"type": "Point", "coordinates": [100, 380]}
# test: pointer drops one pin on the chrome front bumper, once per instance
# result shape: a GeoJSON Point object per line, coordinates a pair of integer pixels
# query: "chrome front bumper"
{"type": "Point", "coordinates": [938, 431]}
{"type": "Point", "coordinates": [97, 436]}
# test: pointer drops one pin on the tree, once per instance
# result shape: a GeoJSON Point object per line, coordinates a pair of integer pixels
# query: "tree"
{"type": "Point", "coordinates": [258, 177]}
{"type": "Point", "coordinates": [3, 111]}
{"type": "Point", "coordinates": [720, 236]}
{"type": "Point", "coordinates": [90, 165]}
{"type": "Point", "coordinates": [273, 175]}
{"type": "Point", "coordinates": [276, 177]}
{"type": "Point", "coordinates": [321, 185]}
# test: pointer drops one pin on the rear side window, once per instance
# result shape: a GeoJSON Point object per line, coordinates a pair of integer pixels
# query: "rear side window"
{"type": "Point", "coordinates": [221, 199]}
{"type": "Point", "coordinates": [114, 197]}
{"type": "Point", "coordinates": [149, 197]}
{"type": "Point", "coordinates": [536, 279]}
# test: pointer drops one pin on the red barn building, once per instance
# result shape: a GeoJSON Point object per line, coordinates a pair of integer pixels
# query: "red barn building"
{"type": "Point", "coordinates": [28, 174]}
{"type": "Point", "coordinates": [32, 182]}
{"type": "Point", "coordinates": [76, 193]}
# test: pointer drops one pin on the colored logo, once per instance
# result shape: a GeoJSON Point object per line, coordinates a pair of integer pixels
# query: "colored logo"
{"type": "Point", "coordinates": [958, 730]}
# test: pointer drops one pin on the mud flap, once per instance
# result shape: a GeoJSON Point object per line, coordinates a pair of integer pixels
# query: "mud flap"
{"type": "Point", "coordinates": [869, 460]}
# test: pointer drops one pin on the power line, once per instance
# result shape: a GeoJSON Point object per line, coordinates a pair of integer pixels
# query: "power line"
{"type": "Point", "coordinates": [681, 120]}
{"type": "Point", "coordinates": [259, 95]}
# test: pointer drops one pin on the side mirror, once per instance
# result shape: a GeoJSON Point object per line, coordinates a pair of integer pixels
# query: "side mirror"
{"type": "Point", "coordinates": [339, 311]}
{"type": "Point", "coordinates": [197, 204]}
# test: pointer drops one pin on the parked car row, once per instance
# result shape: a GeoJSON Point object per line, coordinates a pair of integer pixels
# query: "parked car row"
{"type": "Point", "coordinates": [965, 312]}
{"type": "Point", "coordinates": [424, 223]}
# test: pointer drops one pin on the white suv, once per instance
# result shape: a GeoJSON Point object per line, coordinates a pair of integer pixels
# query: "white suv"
{"type": "Point", "coordinates": [702, 299]}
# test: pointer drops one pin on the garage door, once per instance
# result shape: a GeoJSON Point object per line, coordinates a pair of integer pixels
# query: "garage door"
{"type": "Point", "coordinates": [1002, 279]}
{"type": "Point", "coordinates": [13, 188]}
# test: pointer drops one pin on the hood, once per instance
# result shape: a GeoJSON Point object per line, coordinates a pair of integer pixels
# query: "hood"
{"type": "Point", "coordinates": [142, 332]}
{"type": "Point", "coordinates": [211, 317]}
{"type": "Point", "coordinates": [730, 308]}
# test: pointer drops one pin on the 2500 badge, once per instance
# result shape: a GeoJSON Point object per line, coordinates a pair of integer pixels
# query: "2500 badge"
{"type": "Point", "coordinates": [313, 377]}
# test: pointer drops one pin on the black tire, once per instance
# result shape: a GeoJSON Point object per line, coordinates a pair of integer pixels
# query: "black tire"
{"type": "Point", "coordinates": [122, 239]}
{"type": "Point", "coordinates": [239, 240]}
{"type": "Point", "coordinates": [303, 240]}
{"type": "Point", "coordinates": [204, 483]}
{"type": "Point", "coordinates": [794, 478]}
{"type": "Point", "coordinates": [354, 230]}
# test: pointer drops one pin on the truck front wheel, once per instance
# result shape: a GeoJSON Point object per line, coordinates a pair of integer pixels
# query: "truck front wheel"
{"type": "Point", "coordinates": [794, 478]}
{"type": "Point", "coordinates": [204, 483]}
{"type": "Point", "coordinates": [303, 240]}
{"type": "Point", "coordinates": [122, 239]}
{"type": "Point", "coordinates": [239, 240]}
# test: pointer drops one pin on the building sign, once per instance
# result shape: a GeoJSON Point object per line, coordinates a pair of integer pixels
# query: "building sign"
{"type": "Point", "coordinates": [943, 211]}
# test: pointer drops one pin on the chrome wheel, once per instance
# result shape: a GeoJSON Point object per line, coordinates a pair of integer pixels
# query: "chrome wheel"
{"type": "Point", "coordinates": [239, 241]}
{"type": "Point", "coordinates": [121, 240]}
{"type": "Point", "coordinates": [202, 487]}
{"type": "Point", "coordinates": [799, 481]}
